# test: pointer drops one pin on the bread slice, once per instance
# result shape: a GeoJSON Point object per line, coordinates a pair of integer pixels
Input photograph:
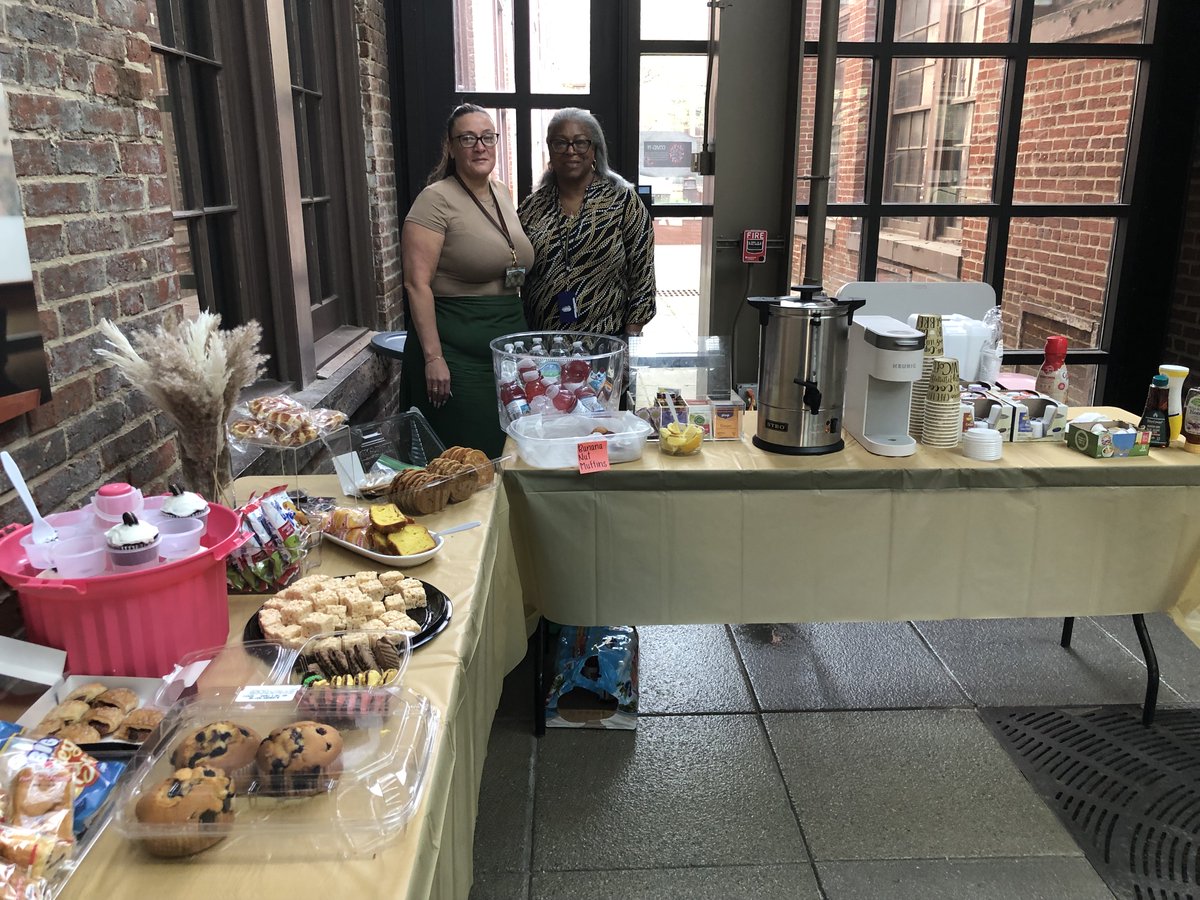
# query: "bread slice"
{"type": "Point", "coordinates": [386, 518]}
{"type": "Point", "coordinates": [410, 540]}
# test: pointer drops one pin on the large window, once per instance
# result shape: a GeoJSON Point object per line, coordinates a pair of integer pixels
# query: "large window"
{"type": "Point", "coordinates": [996, 151]}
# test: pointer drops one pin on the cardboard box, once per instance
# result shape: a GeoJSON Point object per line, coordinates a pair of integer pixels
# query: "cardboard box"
{"type": "Point", "coordinates": [1028, 406]}
{"type": "Point", "coordinates": [44, 666]}
{"type": "Point", "coordinates": [990, 411]}
{"type": "Point", "coordinates": [727, 418]}
{"type": "Point", "coordinates": [1108, 445]}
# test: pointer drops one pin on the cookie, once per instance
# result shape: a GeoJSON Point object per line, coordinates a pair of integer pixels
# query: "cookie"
{"type": "Point", "coordinates": [105, 719]}
{"type": "Point", "coordinates": [198, 798]}
{"type": "Point", "coordinates": [88, 692]}
{"type": "Point", "coordinates": [222, 745]}
{"type": "Point", "coordinates": [138, 725]}
{"type": "Point", "coordinates": [122, 698]}
{"type": "Point", "coordinates": [300, 758]}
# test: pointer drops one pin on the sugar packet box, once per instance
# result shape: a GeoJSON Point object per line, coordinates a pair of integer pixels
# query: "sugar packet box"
{"type": "Point", "coordinates": [1030, 408]}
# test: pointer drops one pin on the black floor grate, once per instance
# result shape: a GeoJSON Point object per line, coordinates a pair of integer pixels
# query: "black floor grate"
{"type": "Point", "coordinates": [1129, 795]}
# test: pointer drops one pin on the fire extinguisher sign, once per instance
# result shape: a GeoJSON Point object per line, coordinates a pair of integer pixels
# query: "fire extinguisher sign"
{"type": "Point", "coordinates": [754, 246]}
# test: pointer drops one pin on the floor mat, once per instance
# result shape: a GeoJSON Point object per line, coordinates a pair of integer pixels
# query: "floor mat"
{"type": "Point", "coordinates": [1129, 795]}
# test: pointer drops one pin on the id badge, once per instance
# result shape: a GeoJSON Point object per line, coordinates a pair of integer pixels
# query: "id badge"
{"type": "Point", "coordinates": [568, 307]}
{"type": "Point", "coordinates": [514, 276]}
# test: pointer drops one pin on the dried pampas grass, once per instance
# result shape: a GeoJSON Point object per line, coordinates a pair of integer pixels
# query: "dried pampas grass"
{"type": "Point", "coordinates": [193, 371]}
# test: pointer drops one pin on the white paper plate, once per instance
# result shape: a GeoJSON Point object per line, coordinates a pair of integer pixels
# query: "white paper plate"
{"type": "Point", "coordinates": [398, 562]}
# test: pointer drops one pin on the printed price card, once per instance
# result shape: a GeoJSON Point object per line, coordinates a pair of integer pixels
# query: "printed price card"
{"type": "Point", "coordinates": [593, 456]}
{"type": "Point", "coordinates": [267, 693]}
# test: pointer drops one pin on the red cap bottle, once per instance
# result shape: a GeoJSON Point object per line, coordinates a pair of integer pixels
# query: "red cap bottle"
{"type": "Point", "coordinates": [1052, 379]}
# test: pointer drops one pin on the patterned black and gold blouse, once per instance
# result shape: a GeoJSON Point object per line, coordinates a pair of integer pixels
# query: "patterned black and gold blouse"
{"type": "Point", "coordinates": [605, 255]}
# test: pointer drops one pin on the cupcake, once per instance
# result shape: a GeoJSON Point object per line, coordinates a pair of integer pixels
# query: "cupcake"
{"type": "Point", "coordinates": [193, 808]}
{"type": "Point", "coordinates": [181, 504]}
{"type": "Point", "coordinates": [132, 544]}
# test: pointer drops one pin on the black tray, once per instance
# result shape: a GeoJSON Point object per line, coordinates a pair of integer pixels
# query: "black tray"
{"type": "Point", "coordinates": [433, 618]}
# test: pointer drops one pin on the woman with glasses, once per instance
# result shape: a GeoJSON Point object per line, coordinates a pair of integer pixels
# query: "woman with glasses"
{"type": "Point", "coordinates": [465, 258]}
{"type": "Point", "coordinates": [592, 238]}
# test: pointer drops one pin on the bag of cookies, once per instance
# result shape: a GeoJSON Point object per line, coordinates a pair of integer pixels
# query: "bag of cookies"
{"type": "Point", "coordinates": [274, 553]}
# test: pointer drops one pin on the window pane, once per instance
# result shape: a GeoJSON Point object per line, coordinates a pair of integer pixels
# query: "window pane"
{"type": "Point", "coordinates": [843, 239]}
{"type": "Point", "coordinates": [856, 20]}
{"type": "Point", "coordinates": [672, 127]}
{"type": "Point", "coordinates": [559, 48]}
{"type": "Point", "coordinates": [166, 108]}
{"type": "Point", "coordinates": [1055, 276]}
{"type": "Point", "coordinates": [676, 324]}
{"type": "Point", "coordinates": [851, 107]}
{"type": "Point", "coordinates": [673, 20]}
{"type": "Point", "coordinates": [963, 21]}
{"type": "Point", "coordinates": [506, 148]}
{"type": "Point", "coordinates": [1074, 130]}
{"type": "Point", "coordinates": [210, 134]}
{"type": "Point", "coordinates": [539, 157]}
{"type": "Point", "coordinates": [931, 248]}
{"type": "Point", "coordinates": [483, 46]}
{"type": "Point", "coordinates": [942, 151]}
{"type": "Point", "coordinates": [1086, 21]}
{"type": "Point", "coordinates": [184, 267]}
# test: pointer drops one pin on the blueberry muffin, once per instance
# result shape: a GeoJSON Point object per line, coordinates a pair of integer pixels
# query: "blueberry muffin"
{"type": "Point", "coordinates": [195, 800]}
{"type": "Point", "coordinates": [222, 745]}
{"type": "Point", "coordinates": [300, 758]}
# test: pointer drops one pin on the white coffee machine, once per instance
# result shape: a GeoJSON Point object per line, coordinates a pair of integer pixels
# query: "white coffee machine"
{"type": "Point", "coordinates": [885, 359]}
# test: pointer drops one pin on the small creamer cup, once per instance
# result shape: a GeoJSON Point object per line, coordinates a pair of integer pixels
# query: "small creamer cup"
{"type": "Point", "coordinates": [179, 537]}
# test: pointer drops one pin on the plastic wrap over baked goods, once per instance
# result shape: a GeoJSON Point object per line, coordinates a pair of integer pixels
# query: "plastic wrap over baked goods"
{"type": "Point", "coordinates": [279, 421]}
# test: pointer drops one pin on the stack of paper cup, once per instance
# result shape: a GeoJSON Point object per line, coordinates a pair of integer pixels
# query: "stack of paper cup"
{"type": "Point", "coordinates": [931, 326]}
{"type": "Point", "coordinates": [942, 425]}
{"type": "Point", "coordinates": [982, 443]}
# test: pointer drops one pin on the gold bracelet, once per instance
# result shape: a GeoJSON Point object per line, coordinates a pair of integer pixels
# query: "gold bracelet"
{"type": "Point", "coordinates": [435, 359]}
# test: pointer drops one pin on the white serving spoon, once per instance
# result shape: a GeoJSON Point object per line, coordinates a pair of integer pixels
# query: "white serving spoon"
{"type": "Point", "coordinates": [454, 529]}
{"type": "Point", "coordinates": [43, 531]}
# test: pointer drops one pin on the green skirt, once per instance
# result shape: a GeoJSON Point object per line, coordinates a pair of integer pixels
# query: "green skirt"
{"type": "Point", "coordinates": [466, 326]}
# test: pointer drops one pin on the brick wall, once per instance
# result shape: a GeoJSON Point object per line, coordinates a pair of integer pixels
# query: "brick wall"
{"type": "Point", "coordinates": [380, 161]}
{"type": "Point", "coordinates": [1183, 341]}
{"type": "Point", "coordinates": [87, 146]}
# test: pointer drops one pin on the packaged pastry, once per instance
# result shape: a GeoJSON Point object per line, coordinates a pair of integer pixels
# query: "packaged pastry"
{"type": "Point", "coordinates": [281, 421]}
{"type": "Point", "coordinates": [42, 798]}
{"type": "Point", "coordinates": [93, 780]}
{"type": "Point", "coordinates": [273, 554]}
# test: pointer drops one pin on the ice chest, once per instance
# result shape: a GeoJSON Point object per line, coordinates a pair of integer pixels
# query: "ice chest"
{"type": "Point", "coordinates": [135, 624]}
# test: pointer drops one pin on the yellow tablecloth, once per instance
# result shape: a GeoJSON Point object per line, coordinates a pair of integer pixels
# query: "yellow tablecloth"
{"type": "Point", "coordinates": [461, 671]}
{"type": "Point", "coordinates": [736, 534]}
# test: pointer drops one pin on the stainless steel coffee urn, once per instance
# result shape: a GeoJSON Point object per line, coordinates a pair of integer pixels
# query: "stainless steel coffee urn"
{"type": "Point", "coordinates": [803, 343]}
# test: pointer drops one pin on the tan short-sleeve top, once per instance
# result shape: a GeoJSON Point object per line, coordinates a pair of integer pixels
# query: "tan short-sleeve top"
{"type": "Point", "coordinates": [474, 253]}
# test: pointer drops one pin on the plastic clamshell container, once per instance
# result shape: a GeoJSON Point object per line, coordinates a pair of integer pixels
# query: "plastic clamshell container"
{"type": "Point", "coordinates": [217, 674]}
{"type": "Point", "coordinates": [136, 623]}
{"type": "Point", "coordinates": [552, 442]}
{"type": "Point", "coordinates": [400, 442]}
{"type": "Point", "coordinates": [435, 496]}
{"type": "Point", "coordinates": [308, 655]}
{"type": "Point", "coordinates": [603, 356]}
{"type": "Point", "coordinates": [384, 769]}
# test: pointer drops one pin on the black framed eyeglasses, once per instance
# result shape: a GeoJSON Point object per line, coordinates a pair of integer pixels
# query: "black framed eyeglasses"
{"type": "Point", "coordinates": [560, 145]}
{"type": "Point", "coordinates": [468, 140]}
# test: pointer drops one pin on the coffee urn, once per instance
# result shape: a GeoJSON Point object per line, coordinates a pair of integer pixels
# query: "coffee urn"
{"type": "Point", "coordinates": [803, 344]}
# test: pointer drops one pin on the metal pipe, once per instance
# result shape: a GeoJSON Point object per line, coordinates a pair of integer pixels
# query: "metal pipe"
{"type": "Point", "coordinates": [818, 204]}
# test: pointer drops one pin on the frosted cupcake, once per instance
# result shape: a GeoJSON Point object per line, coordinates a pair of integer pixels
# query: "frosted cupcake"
{"type": "Point", "coordinates": [181, 504]}
{"type": "Point", "coordinates": [132, 545]}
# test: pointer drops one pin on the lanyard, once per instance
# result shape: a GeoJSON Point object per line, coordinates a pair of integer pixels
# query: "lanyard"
{"type": "Point", "coordinates": [565, 227]}
{"type": "Point", "coordinates": [500, 226]}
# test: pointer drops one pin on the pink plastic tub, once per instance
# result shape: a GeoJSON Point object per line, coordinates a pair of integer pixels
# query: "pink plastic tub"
{"type": "Point", "coordinates": [129, 624]}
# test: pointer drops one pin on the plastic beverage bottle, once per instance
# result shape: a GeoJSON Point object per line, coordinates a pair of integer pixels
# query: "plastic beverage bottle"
{"type": "Point", "coordinates": [538, 349]}
{"type": "Point", "coordinates": [577, 348]}
{"type": "Point", "coordinates": [1154, 417]}
{"type": "Point", "coordinates": [1052, 378]}
{"type": "Point", "coordinates": [508, 364]}
{"type": "Point", "coordinates": [513, 398]}
{"type": "Point", "coordinates": [1191, 421]}
{"type": "Point", "coordinates": [519, 346]}
{"type": "Point", "coordinates": [558, 347]}
{"type": "Point", "coordinates": [1175, 378]}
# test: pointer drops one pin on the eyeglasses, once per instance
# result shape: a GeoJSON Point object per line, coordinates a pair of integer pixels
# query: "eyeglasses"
{"type": "Point", "coordinates": [559, 145]}
{"type": "Point", "coordinates": [468, 140]}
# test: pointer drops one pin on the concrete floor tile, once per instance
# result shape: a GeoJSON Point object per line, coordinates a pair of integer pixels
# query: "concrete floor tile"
{"type": "Point", "coordinates": [689, 669]}
{"type": "Point", "coordinates": [500, 886]}
{"type": "Point", "coordinates": [909, 784]}
{"type": "Point", "coordinates": [843, 665]}
{"type": "Point", "coordinates": [680, 791]}
{"type": "Point", "coordinates": [1018, 662]}
{"type": "Point", "coordinates": [1051, 878]}
{"type": "Point", "coordinates": [1178, 657]}
{"type": "Point", "coordinates": [758, 882]}
{"type": "Point", "coordinates": [503, 826]}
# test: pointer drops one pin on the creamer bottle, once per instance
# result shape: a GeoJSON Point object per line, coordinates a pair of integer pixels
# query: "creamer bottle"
{"type": "Point", "coordinates": [1052, 377]}
{"type": "Point", "coordinates": [1175, 377]}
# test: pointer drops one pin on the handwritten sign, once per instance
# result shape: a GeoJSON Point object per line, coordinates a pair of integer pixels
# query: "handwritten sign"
{"type": "Point", "coordinates": [267, 693]}
{"type": "Point", "coordinates": [593, 456]}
